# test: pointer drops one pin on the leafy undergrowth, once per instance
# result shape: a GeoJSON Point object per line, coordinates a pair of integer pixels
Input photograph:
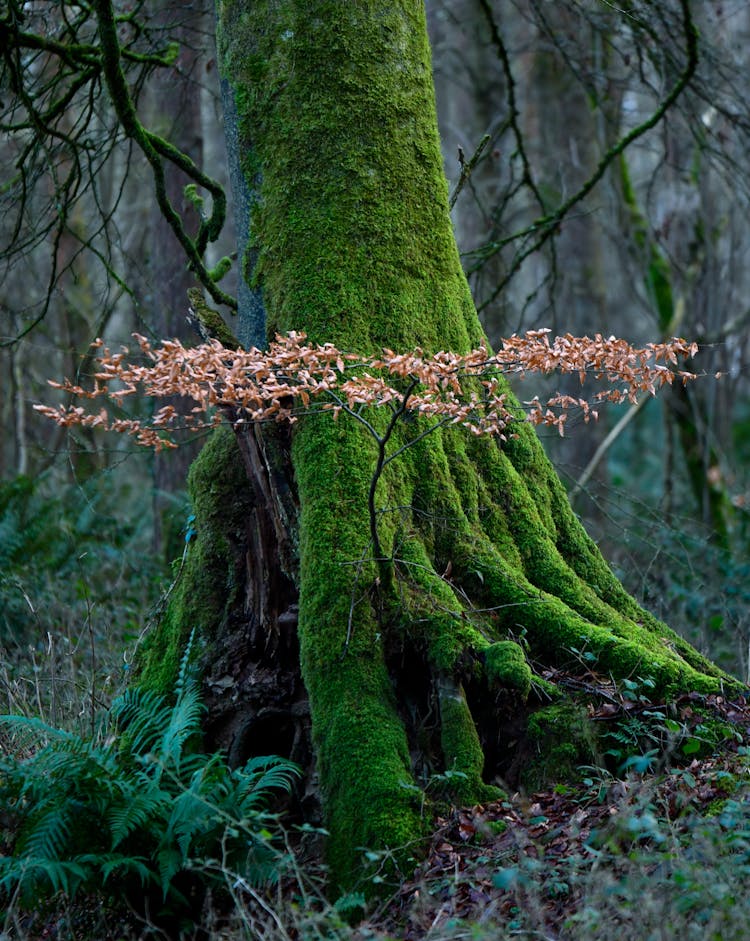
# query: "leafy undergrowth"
{"type": "Point", "coordinates": [663, 854]}
{"type": "Point", "coordinates": [607, 858]}
{"type": "Point", "coordinates": [77, 571]}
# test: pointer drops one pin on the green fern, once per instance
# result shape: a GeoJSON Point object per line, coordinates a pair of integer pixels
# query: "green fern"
{"type": "Point", "coordinates": [184, 724]}
{"type": "Point", "coordinates": [139, 802]}
{"type": "Point", "coordinates": [139, 805]}
{"type": "Point", "coordinates": [49, 832]}
{"type": "Point", "coordinates": [145, 715]}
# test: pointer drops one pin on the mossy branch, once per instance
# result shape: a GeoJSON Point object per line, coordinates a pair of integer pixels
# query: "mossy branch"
{"type": "Point", "coordinates": [74, 55]}
{"type": "Point", "coordinates": [208, 322]}
{"type": "Point", "coordinates": [156, 149]}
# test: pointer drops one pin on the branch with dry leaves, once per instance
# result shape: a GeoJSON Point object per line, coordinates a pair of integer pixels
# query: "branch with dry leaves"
{"type": "Point", "coordinates": [294, 377]}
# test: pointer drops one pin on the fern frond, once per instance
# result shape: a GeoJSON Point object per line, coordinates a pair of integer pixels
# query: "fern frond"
{"type": "Point", "coordinates": [169, 861]}
{"type": "Point", "coordinates": [263, 864]}
{"type": "Point", "coordinates": [134, 810]}
{"type": "Point", "coordinates": [198, 813]}
{"type": "Point", "coordinates": [31, 732]}
{"type": "Point", "coordinates": [184, 723]}
{"type": "Point", "coordinates": [259, 776]}
{"type": "Point", "coordinates": [36, 876]}
{"type": "Point", "coordinates": [195, 812]}
{"type": "Point", "coordinates": [185, 677]}
{"type": "Point", "coordinates": [76, 761]}
{"type": "Point", "coordinates": [46, 832]}
{"type": "Point", "coordinates": [109, 864]}
{"type": "Point", "coordinates": [143, 717]}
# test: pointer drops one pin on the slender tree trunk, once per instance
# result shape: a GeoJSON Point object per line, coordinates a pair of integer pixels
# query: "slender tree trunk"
{"type": "Point", "coordinates": [413, 661]}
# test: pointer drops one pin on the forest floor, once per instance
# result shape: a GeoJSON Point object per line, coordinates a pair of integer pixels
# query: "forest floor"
{"type": "Point", "coordinates": [608, 858]}
{"type": "Point", "coordinates": [658, 853]}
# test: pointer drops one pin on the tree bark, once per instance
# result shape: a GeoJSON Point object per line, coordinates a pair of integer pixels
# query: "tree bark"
{"type": "Point", "coordinates": [415, 663]}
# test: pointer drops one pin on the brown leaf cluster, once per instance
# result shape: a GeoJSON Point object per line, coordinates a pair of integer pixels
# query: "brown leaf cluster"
{"type": "Point", "coordinates": [293, 377]}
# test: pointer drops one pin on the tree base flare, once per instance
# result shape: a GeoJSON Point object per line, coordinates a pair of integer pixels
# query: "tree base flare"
{"type": "Point", "coordinates": [405, 684]}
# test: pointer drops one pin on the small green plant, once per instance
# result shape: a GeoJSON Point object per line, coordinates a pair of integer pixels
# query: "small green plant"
{"type": "Point", "coordinates": [138, 803]}
{"type": "Point", "coordinates": [638, 690]}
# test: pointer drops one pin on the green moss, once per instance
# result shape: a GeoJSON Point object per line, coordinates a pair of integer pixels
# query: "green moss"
{"type": "Point", "coordinates": [506, 665]}
{"type": "Point", "coordinates": [435, 616]}
{"type": "Point", "coordinates": [221, 269]}
{"type": "Point", "coordinates": [369, 201]}
{"type": "Point", "coordinates": [717, 806]}
{"type": "Point", "coordinates": [462, 751]}
{"type": "Point", "coordinates": [211, 323]}
{"type": "Point", "coordinates": [361, 744]}
{"type": "Point", "coordinates": [205, 583]}
{"type": "Point", "coordinates": [560, 589]}
{"type": "Point", "coordinates": [561, 739]}
{"type": "Point", "coordinates": [546, 690]}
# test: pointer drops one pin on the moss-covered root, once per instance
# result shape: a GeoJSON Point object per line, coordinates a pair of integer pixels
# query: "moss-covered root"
{"type": "Point", "coordinates": [207, 579]}
{"type": "Point", "coordinates": [506, 668]}
{"type": "Point", "coordinates": [363, 760]}
{"type": "Point", "coordinates": [555, 630]}
{"type": "Point", "coordinates": [527, 557]}
{"type": "Point", "coordinates": [462, 750]}
{"type": "Point", "coordinates": [363, 757]}
{"type": "Point", "coordinates": [560, 740]}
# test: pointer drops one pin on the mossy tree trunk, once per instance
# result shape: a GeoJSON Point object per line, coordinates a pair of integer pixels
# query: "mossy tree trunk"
{"type": "Point", "coordinates": [414, 663]}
